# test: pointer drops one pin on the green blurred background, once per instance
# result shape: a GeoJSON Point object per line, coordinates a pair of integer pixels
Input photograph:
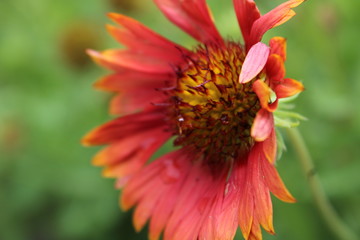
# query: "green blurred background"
{"type": "Point", "coordinates": [48, 188]}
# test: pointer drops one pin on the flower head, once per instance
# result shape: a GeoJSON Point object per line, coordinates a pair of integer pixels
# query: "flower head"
{"type": "Point", "coordinates": [217, 101]}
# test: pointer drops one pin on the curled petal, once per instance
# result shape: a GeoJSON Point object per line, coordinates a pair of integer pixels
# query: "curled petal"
{"type": "Point", "coordinates": [263, 125]}
{"type": "Point", "coordinates": [275, 69]}
{"type": "Point", "coordinates": [274, 18]}
{"type": "Point", "coordinates": [288, 88]}
{"type": "Point", "coordinates": [193, 16]}
{"type": "Point", "coordinates": [254, 62]}
{"type": "Point", "coordinates": [278, 46]}
{"type": "Point", "coordinates": [263, 92]}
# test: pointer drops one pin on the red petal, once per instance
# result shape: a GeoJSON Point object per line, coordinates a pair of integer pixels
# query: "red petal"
{"type": "Point", "coordinates": [246, 201]}
{"type": "Point", "coordinates": [123, 127]}
{"type": "Point", "coordinates": [228, 216]}
{"type": "Point", "coordinates": [163, 210]}
{"type": "Point", "coordinates": [137, 90]}
{"type": "Point", "coordinates": [193, 16]}
{"type": "Point", "coordinates": [270, 147]}
{"type": "Point", "coordinates": [126, 157]}
{"type": "Point", "coordinates": [262, 200]}
{"type": "Point", "coordinates": [117, 60]}
{"type": "Point", "coordinates": [288, 88]}
{"type": "Point", "coordinates": [128, 80]}
{"type": "Point", "coordinates": [171, 176]}
{"type": "Point", "coordinates": [176, 168]}
{"type": "Point", "coordinates": [171, 54]}
{"type": "Point", "coordinates": [194, 203]}
{"type": "Point", "coordinates": [278, 46]}
{"type": "Point", "coordinates": [128, 167]}
{"type": "Point", "coordinates": [151, 179]}
{"type": "Point", "coordinates": [247, 13]}
{"type": "Point", "coordinates": [246, 212]}
{"type": "Point", "coordinates": [140, 184]}
{"type": "Point", "coordinates": [274, 182]}
{"type": "Point", "coordinates": [129, 102]}
{"type": "Point", "coordinates": [263, 92]}
{"type": "Point", "coordinates": [140, 38]}
{"type": "Point", "coordinates": [146, 206]}
{"type": "Point", "coordinates": [262, 126]}
{"type": "Point", "coordinates": [254, 62]}
{"type": "Point", "coordinates": [255, 233]}
{"type": "Point", "coordinates": [274, 18]}
{"type": "Point", "coordinates": [222, 221]}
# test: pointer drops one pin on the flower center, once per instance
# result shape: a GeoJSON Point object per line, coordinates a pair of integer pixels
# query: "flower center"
{"type": "Point", "coordinates": [213, 111]}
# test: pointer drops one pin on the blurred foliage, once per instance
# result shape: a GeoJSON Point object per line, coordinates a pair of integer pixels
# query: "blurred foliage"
{"type": "Point", "coordinates": [48, 188]}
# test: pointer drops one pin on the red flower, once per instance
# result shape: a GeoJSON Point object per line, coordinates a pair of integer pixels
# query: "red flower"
{"type": "Point", "coordinates": [216, 102]}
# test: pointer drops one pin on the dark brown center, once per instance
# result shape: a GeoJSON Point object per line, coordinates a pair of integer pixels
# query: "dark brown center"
{"type": "Point", "coordinates": [213, 112]}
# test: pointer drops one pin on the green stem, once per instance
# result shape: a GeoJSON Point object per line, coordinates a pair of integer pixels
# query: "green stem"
{"type": "Point", "coordinates": [333, 220]}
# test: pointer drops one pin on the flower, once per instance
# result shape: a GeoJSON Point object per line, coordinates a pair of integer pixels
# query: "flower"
{"type": "Point", "coordinates": [216, 101]}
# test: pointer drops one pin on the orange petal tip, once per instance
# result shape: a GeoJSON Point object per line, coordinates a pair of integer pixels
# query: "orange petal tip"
{"type": "Point", "coordinates": [289, 198]}
{"type": "Point", "coordinates": [119, 18]}
{"type": "Point", "coordinates": [99, 159]}
{"type": "Point", "coordinates": [85, 141]}
{"type": "Point", "coordinates": [124, 205]}
{"type": "Point", "coordinates": [263, 92]}
{"type": "Point", "coordinates": [296, 3]}
{"type": "Point", "coordinates": [137, 226]}
{"type": "Point", "coordinates": [88, 139]}
{"type": "Point", "coordinates": [110, 27]}
{"type": "Point", "coordinates": [108, 173]}
{"type": "Point", "coordinates": [153, 237]}
{"type": "Point", "coordinates": [101, 85]}
{"type": "Point", "coordinates": [114, 16]}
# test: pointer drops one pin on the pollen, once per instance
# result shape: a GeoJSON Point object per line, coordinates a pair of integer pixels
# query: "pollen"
{"type": "Point", "coordinates": [213, 112]}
